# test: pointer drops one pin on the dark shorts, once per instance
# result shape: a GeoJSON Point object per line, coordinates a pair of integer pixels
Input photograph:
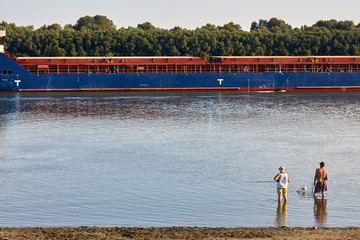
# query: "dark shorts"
{"type": "Point", "coordinates": [320, 187]}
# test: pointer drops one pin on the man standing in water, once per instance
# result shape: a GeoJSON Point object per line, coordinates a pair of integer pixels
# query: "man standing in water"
{"type": "Point", "coordinates": [321, 176]}
{"type": "Point", "coordinates": [282, 179]}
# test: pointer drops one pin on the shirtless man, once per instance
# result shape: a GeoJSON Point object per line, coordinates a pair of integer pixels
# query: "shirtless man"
{"type": "Point", "coordinates": [321, 176]}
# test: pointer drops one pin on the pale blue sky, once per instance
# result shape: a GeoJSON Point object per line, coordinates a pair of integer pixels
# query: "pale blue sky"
{"type": "Point", "coordinates": [184, 13]}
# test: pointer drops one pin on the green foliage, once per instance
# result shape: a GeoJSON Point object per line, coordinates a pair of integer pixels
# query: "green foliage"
{"type": "Point", "coordinates": [98, 36]}
{"type": "Point", "coordinates": [95, 23]}
{"type": "Point", "coordinates": [333, 24]}
{"type": "Point", "coordinates": [272, 25]}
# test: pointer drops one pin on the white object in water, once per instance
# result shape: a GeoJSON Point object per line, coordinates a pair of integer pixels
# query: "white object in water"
{"type": "Point", "coordinates": [303, 189]}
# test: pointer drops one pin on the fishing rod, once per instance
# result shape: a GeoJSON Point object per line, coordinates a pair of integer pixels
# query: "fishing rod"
{"type": "Point", "coordinates": [268, 181]}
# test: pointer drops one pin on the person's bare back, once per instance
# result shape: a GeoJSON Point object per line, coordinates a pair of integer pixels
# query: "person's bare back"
{"type": "Point", "coordinates": [321, 175]}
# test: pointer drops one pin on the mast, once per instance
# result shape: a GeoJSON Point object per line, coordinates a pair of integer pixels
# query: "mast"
{"type": "Point", "coordinates": [2, 34]}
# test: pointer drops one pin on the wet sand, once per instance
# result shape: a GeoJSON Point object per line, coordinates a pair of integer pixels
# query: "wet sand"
{"type": "Point", "coordinates": [179, 233]}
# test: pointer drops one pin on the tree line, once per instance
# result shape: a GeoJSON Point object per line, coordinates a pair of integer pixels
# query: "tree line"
{"type": "Point", "coordinates": [98, 36]}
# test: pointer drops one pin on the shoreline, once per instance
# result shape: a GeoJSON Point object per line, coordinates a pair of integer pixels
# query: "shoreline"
{"type": "Point", "coordinates": [178, 233]}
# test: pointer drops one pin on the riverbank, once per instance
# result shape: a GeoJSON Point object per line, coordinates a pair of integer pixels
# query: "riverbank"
{"type": "Point", "coordinates": [178, 233]}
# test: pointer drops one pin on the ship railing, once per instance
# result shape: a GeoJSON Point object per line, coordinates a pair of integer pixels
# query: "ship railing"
{"type": "Point", "coordinates": [9, 55]}
{"type": "Point", "coordinates": [175, 69]}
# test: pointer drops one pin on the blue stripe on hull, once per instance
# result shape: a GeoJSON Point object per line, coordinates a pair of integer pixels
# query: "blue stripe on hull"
{"type": "Point", "coordinates": [197, 81]}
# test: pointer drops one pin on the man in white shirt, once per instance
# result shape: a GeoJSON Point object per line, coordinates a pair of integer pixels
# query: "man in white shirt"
{"type": "Point", "coordinates": [282, 180]}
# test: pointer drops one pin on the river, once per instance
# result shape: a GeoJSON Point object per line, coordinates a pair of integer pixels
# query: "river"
{"type": "Point", "coordinates": [177, 159]}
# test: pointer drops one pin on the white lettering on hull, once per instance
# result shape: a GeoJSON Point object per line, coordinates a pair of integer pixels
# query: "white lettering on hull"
{"type": "Point", "coordinates": [220, 80]}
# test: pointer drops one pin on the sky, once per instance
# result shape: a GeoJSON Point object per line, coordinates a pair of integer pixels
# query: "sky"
{"type": "Point", "coordinates": [168, 14]}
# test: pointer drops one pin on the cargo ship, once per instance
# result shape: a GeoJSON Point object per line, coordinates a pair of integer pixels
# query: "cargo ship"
{"type": "Point", "coordinates": [217, 73]}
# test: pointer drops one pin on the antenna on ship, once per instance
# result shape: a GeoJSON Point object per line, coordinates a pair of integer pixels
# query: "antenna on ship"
{"type": "Point", "coordinates": [2, 34]}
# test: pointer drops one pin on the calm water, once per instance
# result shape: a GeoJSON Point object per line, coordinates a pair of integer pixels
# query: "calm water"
{"type": "Point", "coordinates": [180, 159]}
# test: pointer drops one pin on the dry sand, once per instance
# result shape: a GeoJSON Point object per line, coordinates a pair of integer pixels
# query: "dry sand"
{"type": "Point", "coordinates": [179, 233]}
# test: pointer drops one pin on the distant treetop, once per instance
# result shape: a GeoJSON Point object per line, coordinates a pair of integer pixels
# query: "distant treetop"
{"type": "Point", "coordinates": [95, 23]}
{"type": "Point", "coordinates": [333, 24]}
{"type": "Point", "coordinates": [271, 25]}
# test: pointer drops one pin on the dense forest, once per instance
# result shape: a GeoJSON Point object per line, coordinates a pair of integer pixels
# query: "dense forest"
{"type": "Point", "coordinates": [98, 36]}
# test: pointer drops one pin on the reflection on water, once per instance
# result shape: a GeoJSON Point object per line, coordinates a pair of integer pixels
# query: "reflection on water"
{"type": "Point", "coordinates": [281, 215]}
{"type": "Point", "coordinates": [165, 159]}
{"type": "Point", "coordinates": [1, 145]}
{"type": "Point", "coordinates": [1, 136]}
{"type": "Point", "coordinates": [320, 211]}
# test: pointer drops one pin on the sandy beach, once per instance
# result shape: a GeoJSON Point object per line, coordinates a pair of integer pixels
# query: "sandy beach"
{"type": "Point", "coordinates": [179, 233]}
